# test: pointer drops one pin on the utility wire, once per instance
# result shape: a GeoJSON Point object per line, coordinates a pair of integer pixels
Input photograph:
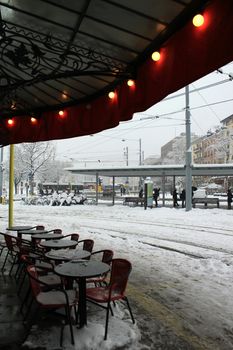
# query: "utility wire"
{"type": "Point", "coordinates": [207, 104]}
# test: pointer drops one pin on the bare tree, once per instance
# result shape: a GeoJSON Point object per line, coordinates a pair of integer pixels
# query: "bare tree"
{"type": "Point", "coordinates": [33, 159]}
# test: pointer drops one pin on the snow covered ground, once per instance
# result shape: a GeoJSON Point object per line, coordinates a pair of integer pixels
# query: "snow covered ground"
{"type": "Point", "coordinates": [182, 277]}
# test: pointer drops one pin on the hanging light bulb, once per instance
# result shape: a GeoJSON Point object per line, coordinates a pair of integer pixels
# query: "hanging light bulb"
{"type": "Point", "coordinates": [33, 120]}
{"type": "Point", "coordinates": [10, 122]}
{"type": "Point", "coordinates": [198, 20]}
{"type": "Point", "coordinates": [156, 56]}
{"type": "Point", "coordinates": [130, 82]}
{"type": "Point", "coordinates": [111, 94]}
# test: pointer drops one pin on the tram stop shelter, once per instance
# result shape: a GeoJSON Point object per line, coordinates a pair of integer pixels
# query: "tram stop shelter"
{"type": "Point", "coordinates": [161, 171]}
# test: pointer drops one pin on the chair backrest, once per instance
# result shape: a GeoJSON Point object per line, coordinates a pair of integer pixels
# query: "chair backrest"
{"type": "Point", "coordinates": [10, 241]}
{"type": "Point", "coordinates": [40, 227]}
{"type": "Point", "coordinates": [34, 282]}
{"type": "Point", "coordinates": [120, 271]}
{"type": "Point", "coordinates": [74, 236]}
{"type": "Point", "coordinates": [107, 255]}
{"type": "Point", "coordinates": [56, 231]}
{"type": "Point", "coordinates": [88, 244]}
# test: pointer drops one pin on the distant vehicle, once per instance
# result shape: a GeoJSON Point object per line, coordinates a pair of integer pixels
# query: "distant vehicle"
{"type": "Point", "coordinates": [200, 193]}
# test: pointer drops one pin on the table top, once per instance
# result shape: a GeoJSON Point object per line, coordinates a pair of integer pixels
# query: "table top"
{"type": "Point", "coordinates": [82, 268]}
{"type": "Point", "coordinates": [19, 228]}
{"type": "Point", "coordinates": [58, 244]}
{"type": "Point", "coordinates": [32, 232]}
{"type": "Point", "coordinates": [47, 236]}
{"type": "Point", "coordinates": [67, 254]}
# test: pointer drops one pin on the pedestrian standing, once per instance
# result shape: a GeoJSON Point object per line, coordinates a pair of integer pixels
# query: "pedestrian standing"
{"type": "Point", "coordinates": [182, 197]}
{"type": "Point", "coordinates": [229, 198]}
{"type": "Point", "coordinates": [156, 195]}
{"type": "Point", "coordinates": [174, 195]}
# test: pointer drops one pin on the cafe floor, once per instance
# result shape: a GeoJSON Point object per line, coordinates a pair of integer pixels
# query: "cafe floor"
{"type": "Point", "coordinates": [13, 331]}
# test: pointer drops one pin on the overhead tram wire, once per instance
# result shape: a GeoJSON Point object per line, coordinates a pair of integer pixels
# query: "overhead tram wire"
{"type": "Point", "coordinates": [162, 116]}
{"type": "Point", "coordinates": [198, 89]}
{"type": "Point", "coordinates": [208, 106]}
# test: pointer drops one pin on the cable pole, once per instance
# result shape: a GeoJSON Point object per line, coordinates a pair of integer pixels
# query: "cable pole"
{"type": "Point", "coordinates": [140, 151]}
{"type": "Point", "coordinates": [188, 158]}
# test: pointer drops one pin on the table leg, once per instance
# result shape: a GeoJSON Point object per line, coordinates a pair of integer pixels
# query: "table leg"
{"type": "Point", "coordinates": [82, 302]}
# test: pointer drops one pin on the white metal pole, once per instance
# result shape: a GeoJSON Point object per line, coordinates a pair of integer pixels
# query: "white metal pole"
{"type": "Point", "coordinates": [188, 158]}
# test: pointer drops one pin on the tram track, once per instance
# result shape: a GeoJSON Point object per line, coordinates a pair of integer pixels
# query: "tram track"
{"type": "Point", "coordinates": [198, 228]}
{"type": "Point", "coordinates": [122, 235]}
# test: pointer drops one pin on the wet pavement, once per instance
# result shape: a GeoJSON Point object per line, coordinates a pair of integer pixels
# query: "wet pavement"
{"type": "Point", "coordinates": [13, 331]}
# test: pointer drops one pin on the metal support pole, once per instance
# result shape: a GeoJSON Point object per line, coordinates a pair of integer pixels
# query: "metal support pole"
{"type": "Point", "coordinates": [1, 173]}
{"type": "Point", "coordinates": [163, 189]}
{"type": "Point", "coordinates": [188, 159]}
{"type": "Point", "coordinates": [140, 151]}
{"type": "Point", "coordinates": [140, 162]}
{"type": "Point", "coordinates": [11, 187]}
{"type": "Point", "coordinates": [174, 183]}
{"type": "Point", "coordinates": [96, 188]}
{"type": "Point", "coordinates": [113, 190]}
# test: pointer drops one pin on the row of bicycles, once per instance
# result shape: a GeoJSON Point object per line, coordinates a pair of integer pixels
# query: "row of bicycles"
{"type": "Point", "coordinates": [58, 200]}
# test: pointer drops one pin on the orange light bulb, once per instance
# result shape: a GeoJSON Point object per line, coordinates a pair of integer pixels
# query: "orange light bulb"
{"type": "Point", "coordinates": [111, 94]}
{"type": "Point", "coordinates": [33, 120]}
{"type": "Point", "coordinates": [155, 56]}
{"type": "Point", "coordinates": [61, 113]}
{"type": "Point", "coordinates": [10, 122]}
{"type": "Point", "coordinates": [198, 20]}
{"type": "Point", "coordinates": [130, 82]}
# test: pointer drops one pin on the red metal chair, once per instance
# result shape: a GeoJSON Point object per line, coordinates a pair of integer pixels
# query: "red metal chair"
{"type": "Point", "coordinates": [56, 230]}
{"type": "Point", "coordinates": [107, 256]}
{"type": "Point", "coordinates": [115, 290]}
{"type": "Point", "coordinates": [40, 227]}
{"type": "Point", "coordinates": [45, 272]}
{"type": "Point", "coordinates": [2, 244]}
{"type": "Point", "coordinates": [37, 241]}
{"type": "Point", "coordinates": [73, 236]}
{"type": "Point", "coordinates": [88, 244]}
{"type": "Point", "coordinates": [52, 299]}
{"type": "Point", "coordinates": [15, 246]}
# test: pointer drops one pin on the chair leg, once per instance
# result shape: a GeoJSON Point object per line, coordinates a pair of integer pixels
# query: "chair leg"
{"type": "Point", "coordinates": [106, 323]}
{"type": "Point", "coordinates": [5, 261]}
{"type": "Point", "coordinates": [13, 264]}
{"type": "Point", "coordinates": [130, 311]}
{"type": "Point", "coordinates": [70, 323]}
{"type": "Point", "coordinates": [19, 271]}
{"type": "Point", "coordinates": [28, 311]}
{"type": "Point", "coordinates": [21, 284]}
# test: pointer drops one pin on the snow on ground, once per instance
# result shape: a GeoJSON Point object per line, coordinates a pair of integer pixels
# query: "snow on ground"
{"type": "Point", "coordinates": [182, 261]}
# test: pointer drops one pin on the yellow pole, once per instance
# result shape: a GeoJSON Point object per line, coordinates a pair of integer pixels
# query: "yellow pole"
{"type": "Point", "coordinates": [11, 187]}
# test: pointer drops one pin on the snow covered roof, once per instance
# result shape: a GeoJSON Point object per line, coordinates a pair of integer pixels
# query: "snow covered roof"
{"type": "Point", "coordinates": [157, 170]}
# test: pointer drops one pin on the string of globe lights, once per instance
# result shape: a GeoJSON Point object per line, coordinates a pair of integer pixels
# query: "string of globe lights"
{"type": "Point", "coordinates": [198, 20]}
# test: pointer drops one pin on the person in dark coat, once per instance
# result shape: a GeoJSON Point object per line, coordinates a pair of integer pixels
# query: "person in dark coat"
{"type": "Point", "coordinates": [174, 195]}
{"type": "Point", "coordinates": [140, 195]}
{"type": "Point", "coordinates": [156, 195]}
{"type": "Point", "coordinates": [229, 198]}
{"type": "Point", "coordinates": [182, 197]}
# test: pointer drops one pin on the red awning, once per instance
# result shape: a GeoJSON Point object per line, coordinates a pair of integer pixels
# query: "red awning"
{"type": "Point", "coordinates": [186, 56]}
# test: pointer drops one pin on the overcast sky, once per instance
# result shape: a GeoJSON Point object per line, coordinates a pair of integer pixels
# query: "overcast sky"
{"type": "Point", "coordinates": [108, 148]}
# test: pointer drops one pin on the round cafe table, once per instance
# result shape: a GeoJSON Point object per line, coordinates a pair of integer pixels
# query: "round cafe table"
{"type": "Point", "coordinates": [81, 270]}
{"type": "Point", "coordinates": [32, 232]}
{"type": "Point", "coordinates": [19, 229]}
{"type": "Point", "coordinates": [45, 236]}
{"type": "Point", "coordinates": [58, 244]}
{"type": "Point", "coordinates": [60, 255]}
